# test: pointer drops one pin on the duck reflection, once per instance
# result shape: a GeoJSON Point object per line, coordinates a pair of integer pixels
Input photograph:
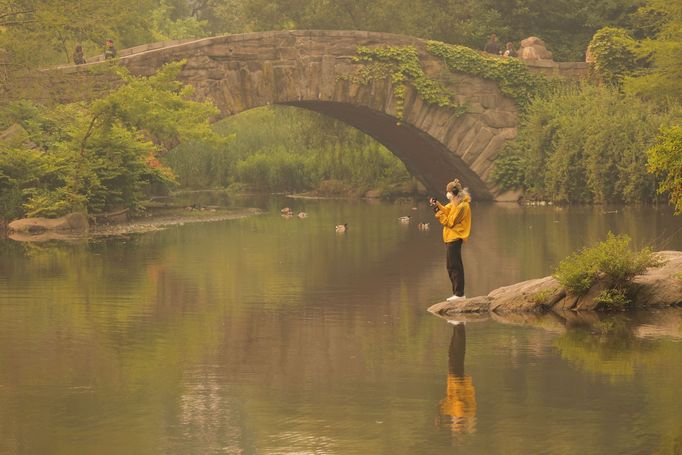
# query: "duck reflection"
{"type": "Point", "coordinates": [458, 408]}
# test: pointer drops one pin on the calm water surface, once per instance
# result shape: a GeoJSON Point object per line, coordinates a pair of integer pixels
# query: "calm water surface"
{"type": "Point", "coordinates": [279, 336]}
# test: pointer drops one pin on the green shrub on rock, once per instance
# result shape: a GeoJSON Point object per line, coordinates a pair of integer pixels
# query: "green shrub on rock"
{"type": "Point", "coordinates": [612, 262]}
{"type": "Point", "coordinates": [613, 299]}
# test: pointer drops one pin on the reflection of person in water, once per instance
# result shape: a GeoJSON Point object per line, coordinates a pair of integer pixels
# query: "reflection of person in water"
{"type": "Point", "coordinates": [458, 408]}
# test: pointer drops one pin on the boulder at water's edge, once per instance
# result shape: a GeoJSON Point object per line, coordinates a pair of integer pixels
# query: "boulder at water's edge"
{"type": "Point", "coordinates": [657, 287]}
{"type": "Point", "coordinates": [72, 222]}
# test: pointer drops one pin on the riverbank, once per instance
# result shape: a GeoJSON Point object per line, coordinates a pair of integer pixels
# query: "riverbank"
{"type": "Point", "coordinates": [657, 287]}
{"type": "Point", "coordinates": [156, 220]}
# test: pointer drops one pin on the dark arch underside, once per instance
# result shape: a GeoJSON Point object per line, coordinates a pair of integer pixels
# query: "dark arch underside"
{"type": "Point", "coordinates": [427, 159]}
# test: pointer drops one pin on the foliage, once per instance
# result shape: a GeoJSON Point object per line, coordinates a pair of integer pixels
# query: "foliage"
{"type": "Point", "coordinates": [49, 29]}
{"type": "Point", "coordinates": [613, 299]}
{"type": "Point", "coordinates": [161, 106]}
{"type": "Point", "coordinates": [271, 141]}
{"type": "Point", "coordinates": [584, 144]}
{"type": "Point", "coordinates": [612, 49]}
{"type": "Point", "coordinates": [541, 297]}
{"type": "Point", "coordinates": [509, 170]}
{"type": "Point", "coordinates": [23, 172]}
{"type": "Point", "coordinates": [511, 74]}
{"type": "Point", "coordinates": [401, 65]}
{"type": "Point", "coordinates": [661, 77]}
{"type": "Point", "coordinates": [102, 155]}
{"type": "Point", "coordinates": [278, 170]}
{"type": "Point", "coordinates": [566, 25]}
{"type": "Point", "coordinates": [167, 26]}
{"type": "Point", "coordinates": [665, 160]}
{"type": "Point", "coordinates": [647, 22]}
{"type": "Point", "coordinates": [612, 262]}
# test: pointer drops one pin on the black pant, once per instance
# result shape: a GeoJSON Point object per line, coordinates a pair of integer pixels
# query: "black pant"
{"type": "Point", "coordinates": [455, 266]}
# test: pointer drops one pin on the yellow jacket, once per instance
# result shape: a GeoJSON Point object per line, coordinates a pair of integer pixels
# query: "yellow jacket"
{"type": "Point", "coordinates": [456, 220]}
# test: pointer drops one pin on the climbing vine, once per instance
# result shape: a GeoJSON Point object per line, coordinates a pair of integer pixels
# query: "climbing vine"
{"type": "Point", "coordinates": [402, 67]}
{"type": "Point", "coordinates": [511, 74]}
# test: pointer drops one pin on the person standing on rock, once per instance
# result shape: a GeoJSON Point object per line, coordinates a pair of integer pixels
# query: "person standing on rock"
{"type": "Point", "coordinates": [455, 217]}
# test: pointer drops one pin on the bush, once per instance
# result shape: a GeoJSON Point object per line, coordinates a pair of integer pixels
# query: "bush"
{"type": "Point", "coordinates": [613, 299]}
{"type": "Point", "coordinates": [613, 53]}
{"type": "Point", "coordinates": [584, 144]}
{"type": "Point", "coordinates": [611, 261]}
{"type": "Point", "coordinates": [665, 160]}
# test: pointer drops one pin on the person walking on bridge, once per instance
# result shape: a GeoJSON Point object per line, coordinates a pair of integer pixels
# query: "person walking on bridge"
{"type": "Point", "coordinates": [455, 217]}
{"type": "Point", "coordinates": [109, 50]}
{"type": "Point", "coordinates": [78, 56]}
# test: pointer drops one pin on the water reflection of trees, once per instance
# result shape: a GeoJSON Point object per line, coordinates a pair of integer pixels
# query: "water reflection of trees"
{"type": "Point", "coordinates": [620, 348]}
{"type": "Point", "coordinates": [162, 322]}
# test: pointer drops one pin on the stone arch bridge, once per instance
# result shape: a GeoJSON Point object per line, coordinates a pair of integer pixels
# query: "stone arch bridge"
{"type": "Point", "coordinates": [306, 69]}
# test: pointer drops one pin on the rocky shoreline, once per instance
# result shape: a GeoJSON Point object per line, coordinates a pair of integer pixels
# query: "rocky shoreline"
{"type": "Point", "coordinates": [657, 287]}
{"type": "Point", "coordinates": [66, 228]}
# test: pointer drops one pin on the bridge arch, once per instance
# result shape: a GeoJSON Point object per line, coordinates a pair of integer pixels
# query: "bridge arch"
{"type": "Point", "coordinates": [306, 69]}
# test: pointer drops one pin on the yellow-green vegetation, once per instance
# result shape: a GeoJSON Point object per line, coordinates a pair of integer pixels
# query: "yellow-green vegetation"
{"type": "Point", "coordinates": [281, 148]}
{"type": "Point", "coordinates": [613, 299]}
{"type": "Point", "coordinates": [614, 58]}
{"type": "Point", "coordinates": [401, 65]}
{"type": "Point", "coordinates": [586, 144]}
{"type": "Point", "coordinates": [102, 155]}
{"type": "Point", "coordinates": [612, 262]}
{"type": "Point", "coordinates": [665, 160]}
{"type": "Point", "coordinates": [658, 30]}
{"type": "Point", "coordinates": [511, 75]}
{"type": "Point", "coordinates": [541, 297]}
{"type": "Point", "coordinates": [606, 348]}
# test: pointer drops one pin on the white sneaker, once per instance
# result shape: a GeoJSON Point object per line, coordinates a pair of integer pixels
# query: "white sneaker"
{"type": "Point", "coordinates": [455, 297]}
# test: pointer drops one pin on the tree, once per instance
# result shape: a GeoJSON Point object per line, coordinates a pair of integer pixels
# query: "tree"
{"type": "Point", "coordinates": [665, 160]}
{"type": "Point", "coordinates": [101, 155]}
{"type": "Point", "coordinates": [662, 77]}
{"type": "Point", "coordinates": [613, 51]}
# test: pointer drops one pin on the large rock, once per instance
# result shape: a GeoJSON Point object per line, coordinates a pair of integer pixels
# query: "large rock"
{"type": "Point", "coordinates": [533, 48]}
{"type": "Point", "coordinates": [660, 286]}
{"type": "Point", "coordinates": [72, 222]}
{"type": "Point", "coordinates": [473, 305]}
{"type": "Point", "coordinates": [532, 295]}
{"type": "Point", "coordinates": [657, 287]}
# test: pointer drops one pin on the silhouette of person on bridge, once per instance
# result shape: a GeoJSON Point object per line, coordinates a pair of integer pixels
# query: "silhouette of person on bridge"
{"type": "Point", "coordinates": [457, 410]}
{"type": "Point", "coordinates": [492, 46]}
{"type": "Point", "coordinates": [109, 50]}
{"type": "Point", "coordinates": [78, 56]}
{"type": "Point", "coordinates": [510, 51]}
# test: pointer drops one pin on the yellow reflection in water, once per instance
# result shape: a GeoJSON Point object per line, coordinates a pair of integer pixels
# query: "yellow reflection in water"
{"type": "Point", "coordinates": [457, 410]}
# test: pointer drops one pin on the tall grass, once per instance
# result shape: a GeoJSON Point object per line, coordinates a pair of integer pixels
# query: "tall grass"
{"type": "Point", "coordinates": [286, 149]}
